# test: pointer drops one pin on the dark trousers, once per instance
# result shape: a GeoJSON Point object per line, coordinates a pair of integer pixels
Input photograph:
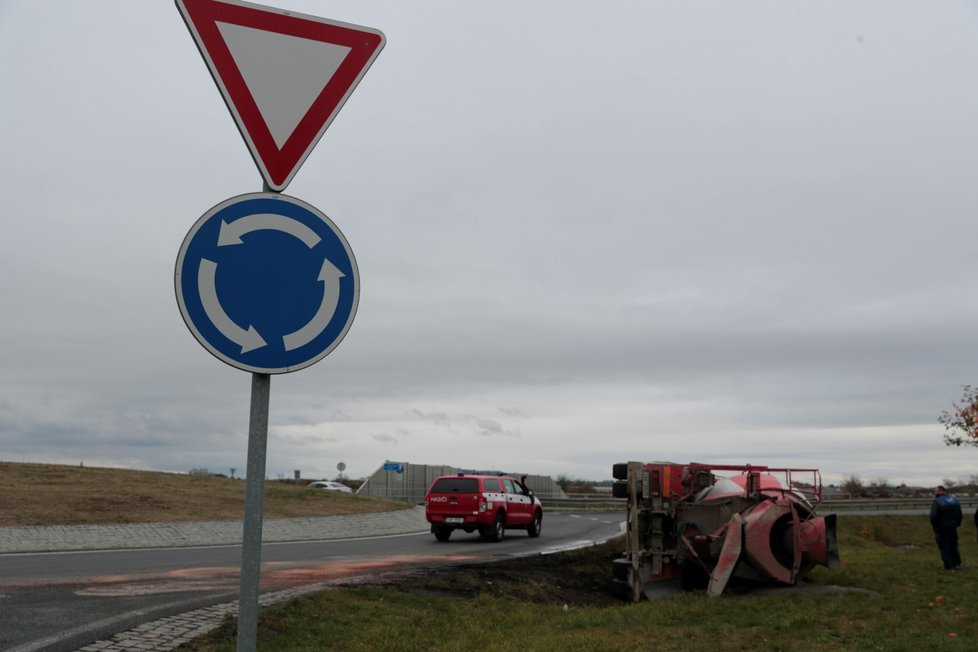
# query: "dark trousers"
{"type": "Point", "coordinates": [947, 540]}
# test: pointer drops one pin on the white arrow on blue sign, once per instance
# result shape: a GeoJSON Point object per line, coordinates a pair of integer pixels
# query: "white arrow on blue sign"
{"type": "Point", "coordinates": [267, 283]}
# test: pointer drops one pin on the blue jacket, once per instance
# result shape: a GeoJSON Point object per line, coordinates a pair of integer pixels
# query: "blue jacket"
{"type": "Point", "coordinates": [945, 511]}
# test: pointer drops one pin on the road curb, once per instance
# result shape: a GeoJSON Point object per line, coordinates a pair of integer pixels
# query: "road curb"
{"type": "Point", "coordinates": [68, 538]}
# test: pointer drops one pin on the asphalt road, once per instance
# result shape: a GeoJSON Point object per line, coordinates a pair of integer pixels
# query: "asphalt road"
{"type": "Point", "coordinates": [61, 601]}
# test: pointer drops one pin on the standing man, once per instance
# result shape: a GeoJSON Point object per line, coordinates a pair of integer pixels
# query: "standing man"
{"type": "Point", "coordinates": [945, 517]}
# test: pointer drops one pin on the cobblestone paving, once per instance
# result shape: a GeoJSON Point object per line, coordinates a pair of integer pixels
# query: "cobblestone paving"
{"type": "Point", "coordinates": [172, 632]}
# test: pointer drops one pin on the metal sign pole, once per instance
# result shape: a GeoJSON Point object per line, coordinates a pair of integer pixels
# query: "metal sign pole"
{"type": "Point", "coordinates": [254, 505]}
{"type": "Point", "coordinates": [261, 389]}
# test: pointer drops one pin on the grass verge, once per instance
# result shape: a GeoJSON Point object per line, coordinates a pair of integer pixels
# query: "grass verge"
{"type": "Point", "coordinates": [48, 494]}
{"type": "Point", "coordinates": [894, 596]}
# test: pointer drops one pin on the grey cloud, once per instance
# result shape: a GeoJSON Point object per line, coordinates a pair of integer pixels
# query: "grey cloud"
{"type": "Point", "coordinates": [512, 412]}
{"type": "Point", "coordinates": [492, 428]}
{"type": "Point", "coordinates": [434, 417]}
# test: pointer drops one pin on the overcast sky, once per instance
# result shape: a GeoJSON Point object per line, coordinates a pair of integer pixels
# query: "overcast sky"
{"type": "Point", "coordinates": [587, 232]}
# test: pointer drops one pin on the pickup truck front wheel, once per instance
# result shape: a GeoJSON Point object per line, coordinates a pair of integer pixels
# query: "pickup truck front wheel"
{"type": "Point", "coordinates": [536, 526]}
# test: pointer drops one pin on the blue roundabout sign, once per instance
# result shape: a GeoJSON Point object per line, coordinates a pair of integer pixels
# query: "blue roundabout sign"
{"type": "Point", "coordinates": [267, 283]}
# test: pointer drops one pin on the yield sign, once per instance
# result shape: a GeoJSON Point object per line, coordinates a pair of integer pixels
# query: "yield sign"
{"type": "Point", "coordinates": [283, 75]}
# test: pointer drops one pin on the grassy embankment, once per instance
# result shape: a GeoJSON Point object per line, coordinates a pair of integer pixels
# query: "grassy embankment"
{"type": "Point", "coordinates": [47, 494]}
{"type": "Point", "coordinates": [904, 601]}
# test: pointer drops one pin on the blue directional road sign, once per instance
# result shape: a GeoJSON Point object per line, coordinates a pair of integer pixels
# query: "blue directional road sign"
{"type": "Point", "coordinates": [267, 283]}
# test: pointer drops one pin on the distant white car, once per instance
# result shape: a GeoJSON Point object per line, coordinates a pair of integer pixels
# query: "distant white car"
{"type": "Point", "coordinates": [332, 486]}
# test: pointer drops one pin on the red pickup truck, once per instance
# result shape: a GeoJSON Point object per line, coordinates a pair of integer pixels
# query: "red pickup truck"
{"type": "Point", "coordinates": [490, 504]}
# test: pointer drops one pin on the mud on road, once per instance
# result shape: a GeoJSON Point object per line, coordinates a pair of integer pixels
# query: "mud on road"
{"type": "Point", "coordinates": [575, 578]}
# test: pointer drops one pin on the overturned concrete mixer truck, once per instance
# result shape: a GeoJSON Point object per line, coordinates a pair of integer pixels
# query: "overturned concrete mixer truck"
{"type": "Point", "coordinates": [689, 527]}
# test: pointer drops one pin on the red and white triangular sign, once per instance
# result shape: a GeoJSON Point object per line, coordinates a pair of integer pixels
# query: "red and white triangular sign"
{"type": "Point", "coordinates": [283, 75]}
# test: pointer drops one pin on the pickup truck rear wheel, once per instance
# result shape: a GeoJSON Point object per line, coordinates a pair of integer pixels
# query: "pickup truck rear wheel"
{"type": "Point", "coordinates": [442, 533]}
{"type": "Point", "coordinates": [497, 530]}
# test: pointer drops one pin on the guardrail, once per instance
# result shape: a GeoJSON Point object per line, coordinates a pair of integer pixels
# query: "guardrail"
{"type": "Point", "coordinates": [604, 501]}
{"type": "Point", "coordinates": [584, 501]}
{"type": "Point", "coordinates": [968, 503]}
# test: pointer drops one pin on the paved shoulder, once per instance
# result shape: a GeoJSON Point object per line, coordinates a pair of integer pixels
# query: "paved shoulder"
{"type": "Point", "coordinates": [206, 533]}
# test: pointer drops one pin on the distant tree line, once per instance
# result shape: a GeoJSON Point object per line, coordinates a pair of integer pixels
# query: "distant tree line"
{"type": "Point", "coordinates": [575, 485]}
{"type": "Point", "coordinates": [855, 486]}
